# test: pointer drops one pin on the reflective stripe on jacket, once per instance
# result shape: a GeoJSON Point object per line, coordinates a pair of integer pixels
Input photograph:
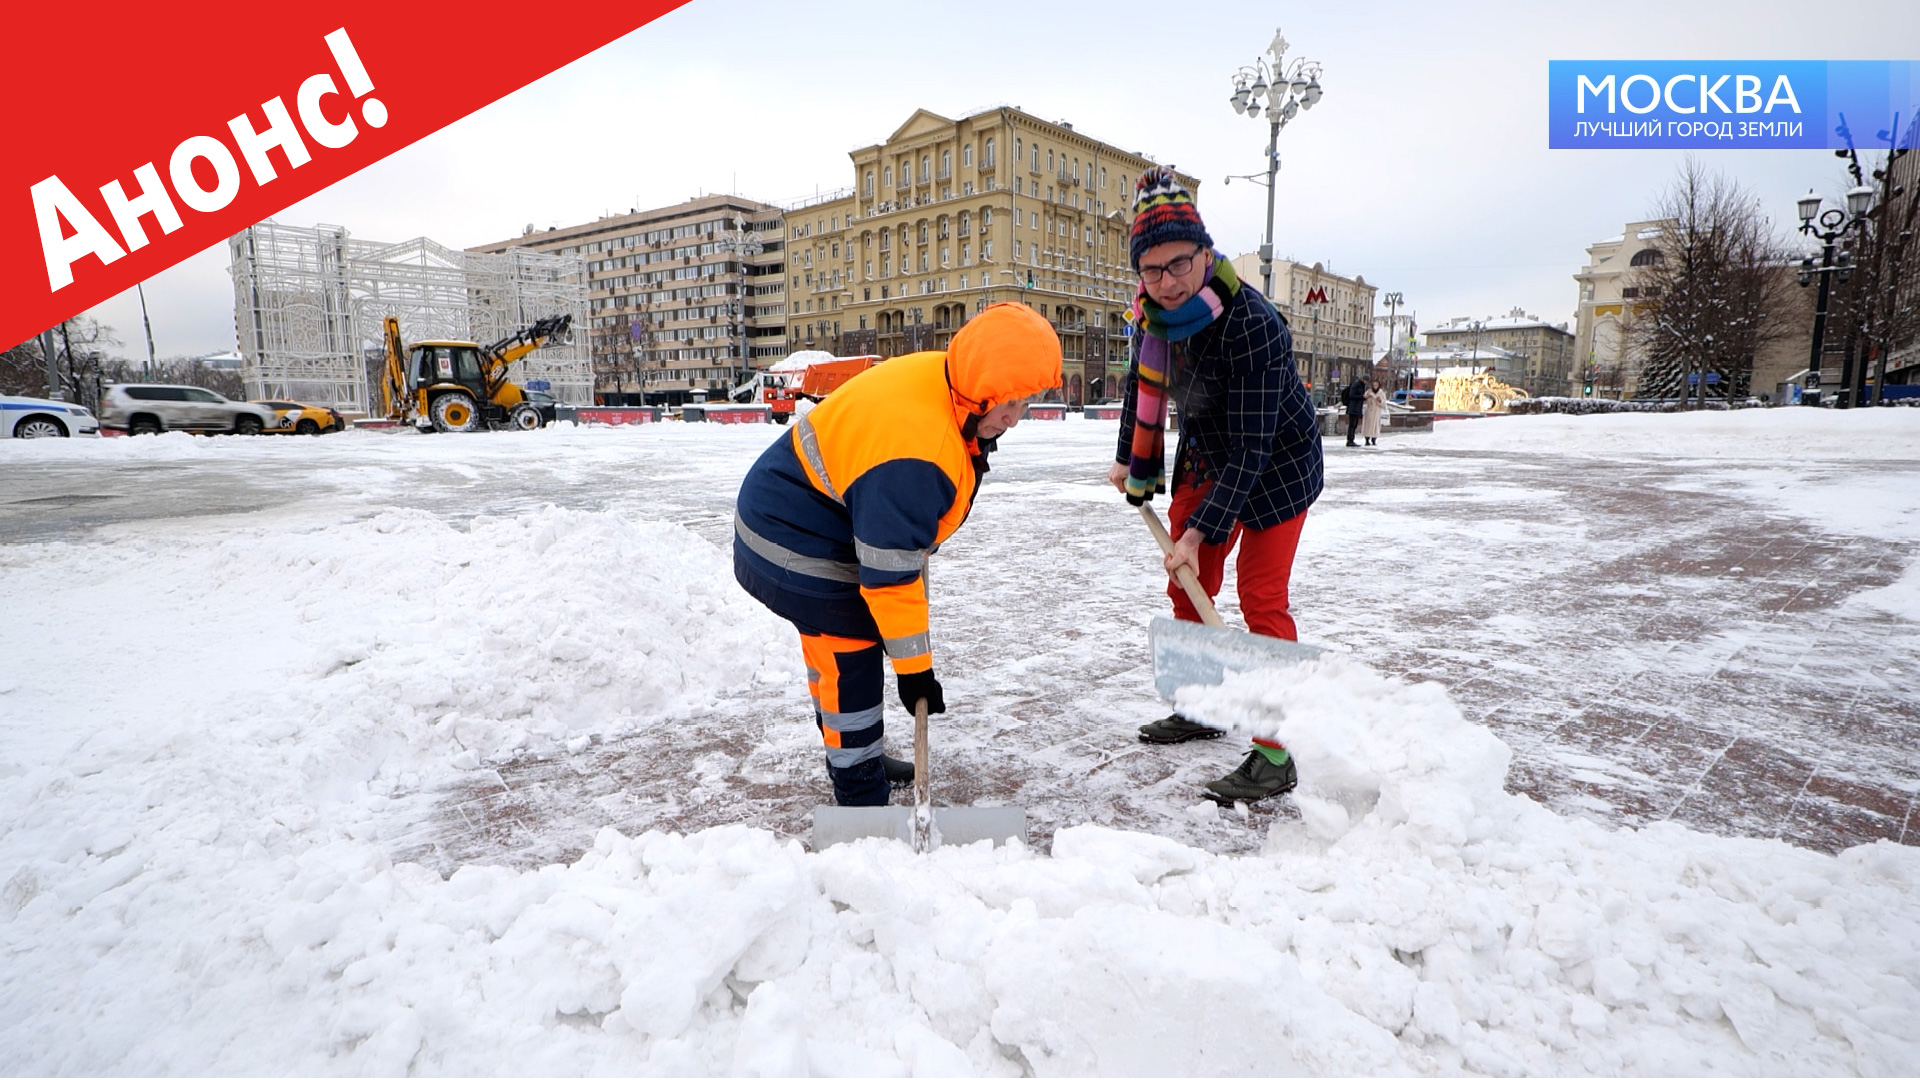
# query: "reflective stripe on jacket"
{"type": "Point", "coordinates": [854, 498]}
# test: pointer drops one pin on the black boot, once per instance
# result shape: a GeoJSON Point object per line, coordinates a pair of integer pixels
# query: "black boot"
{"type": "Point", "coordinates": [899, 773]}
{"type": "Point", "coordinates": [864, 784]}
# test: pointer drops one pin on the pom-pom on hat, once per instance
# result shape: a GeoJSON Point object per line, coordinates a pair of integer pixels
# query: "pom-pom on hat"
{"type": "Point", "coordinates": [1163, 212]}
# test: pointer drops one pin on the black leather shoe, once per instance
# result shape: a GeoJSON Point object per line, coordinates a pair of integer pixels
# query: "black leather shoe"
{"type": "Point", "coordinates": [1177, 729]}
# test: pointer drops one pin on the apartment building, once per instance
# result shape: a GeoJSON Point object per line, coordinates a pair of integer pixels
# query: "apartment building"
{"type": "Point", "coordinates": [1524, 350]}
{"type": "Point", "coordinates": [1331, 317]}
{"type": "Point", "coordinates": [947, 216]}
{"type": "Point", "coordinates": [682, 299]}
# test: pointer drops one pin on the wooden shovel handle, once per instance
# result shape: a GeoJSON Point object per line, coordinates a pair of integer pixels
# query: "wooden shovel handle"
{"type": "Point", "coordinates": [1182, 573]}
{"type": "Point", "coordinates": [922, 783]}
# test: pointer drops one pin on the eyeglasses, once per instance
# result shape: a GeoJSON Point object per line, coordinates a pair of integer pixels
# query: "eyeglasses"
{"type": "Point", "coordinates": [1177, 267]}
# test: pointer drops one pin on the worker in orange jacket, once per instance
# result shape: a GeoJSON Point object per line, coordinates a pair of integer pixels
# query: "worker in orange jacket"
{"type": "Point", "coordinates": [836, 520]}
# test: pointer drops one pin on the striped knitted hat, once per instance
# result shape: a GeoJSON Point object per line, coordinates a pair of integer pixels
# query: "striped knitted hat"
{"type": "Point", "coordinates": [1163, 212]}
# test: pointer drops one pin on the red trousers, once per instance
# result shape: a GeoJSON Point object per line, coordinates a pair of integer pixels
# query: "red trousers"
{"type": "Point", "coordinates": [1264, 567]}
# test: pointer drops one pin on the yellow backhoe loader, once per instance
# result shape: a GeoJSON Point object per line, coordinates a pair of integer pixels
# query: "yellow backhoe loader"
{"type": "Point", "coordinates": [460, 385]}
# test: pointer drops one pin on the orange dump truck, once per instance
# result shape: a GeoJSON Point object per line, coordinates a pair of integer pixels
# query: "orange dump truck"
{"type": "Point", "coordinates": [811, 375]}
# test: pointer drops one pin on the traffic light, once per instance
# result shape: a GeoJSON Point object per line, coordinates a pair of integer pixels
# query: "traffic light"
{"type": "Point", "coordinates": [1029, 279]}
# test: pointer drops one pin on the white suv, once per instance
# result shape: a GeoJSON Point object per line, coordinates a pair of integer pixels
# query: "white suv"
{"type": "Point", "coordinates": [149, 408]}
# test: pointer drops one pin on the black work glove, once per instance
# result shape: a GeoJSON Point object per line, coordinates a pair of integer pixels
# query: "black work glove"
{"type": "Point", "coordinates": [915, 685]}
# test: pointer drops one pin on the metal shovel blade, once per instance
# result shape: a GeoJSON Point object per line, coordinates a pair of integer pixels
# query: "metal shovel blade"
{"type": "Point", "coordinates": [1194, 654]}
{"type": "Point", "coordinates": [951, 824]}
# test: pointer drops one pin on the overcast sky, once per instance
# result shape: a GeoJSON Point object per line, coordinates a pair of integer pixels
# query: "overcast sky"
{"type": "Point", "coordinates": [1425, 167]}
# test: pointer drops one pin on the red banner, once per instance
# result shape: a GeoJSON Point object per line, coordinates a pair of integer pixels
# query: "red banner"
{"type": "Point", "coordinates": [138, 135]}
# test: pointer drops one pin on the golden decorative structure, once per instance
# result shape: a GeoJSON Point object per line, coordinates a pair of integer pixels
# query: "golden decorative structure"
{"type": "Point", "coordinates": [1466, 390]}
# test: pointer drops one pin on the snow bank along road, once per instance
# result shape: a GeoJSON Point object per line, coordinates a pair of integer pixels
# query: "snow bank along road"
{"type": "Point", "coordinates": [392, 753]}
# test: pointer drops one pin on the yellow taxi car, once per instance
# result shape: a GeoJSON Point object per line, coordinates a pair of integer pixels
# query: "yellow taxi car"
{"type": "Point", "coordinates": [298, 419]}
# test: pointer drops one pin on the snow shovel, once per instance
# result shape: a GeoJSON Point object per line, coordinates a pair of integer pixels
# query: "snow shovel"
{"type": "Point", "coordinates": [1200, 654]}
{"type": "Point", "coordinates": [921, 825]}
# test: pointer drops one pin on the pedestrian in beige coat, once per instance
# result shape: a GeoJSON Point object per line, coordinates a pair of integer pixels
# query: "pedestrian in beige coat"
{"type": "Point", "coordinates": [1375, 411]}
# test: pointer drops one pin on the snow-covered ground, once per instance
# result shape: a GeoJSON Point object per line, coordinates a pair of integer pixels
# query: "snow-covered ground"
{"type": "Point", "coordinates": [389, 753]}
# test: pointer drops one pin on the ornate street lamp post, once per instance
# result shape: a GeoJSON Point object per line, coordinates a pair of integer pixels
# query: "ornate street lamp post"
{"type": "Point", "coordinates": [1282, 90]}
{"type": "Point", "coordinates": [1393, 300]}
{"type": "Point", "coordinates": [1832, 225]}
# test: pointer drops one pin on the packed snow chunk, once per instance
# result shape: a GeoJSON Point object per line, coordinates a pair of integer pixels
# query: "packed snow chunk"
{"type": "Point", "coordinates": [1118, 990]}
{"type": "Point", "coordinates": [1145, 857]}
{"type": "Point", "coordinates": [1370, 750]}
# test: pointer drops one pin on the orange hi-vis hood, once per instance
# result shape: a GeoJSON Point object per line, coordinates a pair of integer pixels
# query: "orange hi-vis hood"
{"type": "Point", "coordinates": [1005, 353]}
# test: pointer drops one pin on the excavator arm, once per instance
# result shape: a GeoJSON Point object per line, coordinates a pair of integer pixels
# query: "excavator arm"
{"type": "Point", "coordinates": [497, 357]}
{"type": "Point", "coordinates": [394, 389]}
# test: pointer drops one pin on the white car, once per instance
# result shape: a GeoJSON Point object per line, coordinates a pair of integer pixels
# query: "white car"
{"type": "Point", "coordinates": [150, 408]}
{"type": "Point", "coordinates": [39, 418]}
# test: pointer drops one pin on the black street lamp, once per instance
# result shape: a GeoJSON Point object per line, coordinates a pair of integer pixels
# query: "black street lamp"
{"type": "Point", "coordinates": [1391, 358]}
{"type": "Point", "coordinates": [1832, 225]}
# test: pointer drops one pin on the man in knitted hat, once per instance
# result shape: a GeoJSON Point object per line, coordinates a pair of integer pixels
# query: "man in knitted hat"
{"type": "Point", "coordinates": [1249, 461]}
{"type": "Point", "coordinates": [834, 523]}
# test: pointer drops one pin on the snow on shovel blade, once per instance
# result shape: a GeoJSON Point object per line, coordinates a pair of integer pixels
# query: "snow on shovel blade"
{"type": "Point", "coordinates": [951, 824]}
{"type": "Point", "coordinates": [1194, 654]}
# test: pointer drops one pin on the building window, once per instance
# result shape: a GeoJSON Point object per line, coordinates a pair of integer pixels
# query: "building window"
{"type": "Point", "coordinates": [1033, 220]}
{"type": "Point", "coordinates": [986, 218]}
{"type": "Point", "coordinates": [1019, 148]}
{"type": "Point", "coordinates": [946, 164]}
{"type": "Point", "coordinates": [966, 156]}
{"type": "Point", "coordinates": [987, 157]}
{"type": "Point", "coordinates": [986, 248]}
{"type": "Point", "coordinates": [926, 167]}
{"type": "Point", "coordinates": [869, 186]}
{"type": "Point", "coordinates": [1035, 166]}
{"type": "Point", "coordinates": [888, 176]}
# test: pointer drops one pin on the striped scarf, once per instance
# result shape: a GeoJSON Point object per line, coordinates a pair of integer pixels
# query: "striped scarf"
{"type": "Point", "coordinates": [1153, 367]}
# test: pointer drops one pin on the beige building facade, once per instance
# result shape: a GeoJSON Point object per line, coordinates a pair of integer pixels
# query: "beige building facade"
{"type": "Point", "coordinates": [1602, 353]}
{"type": "Point", "coordinates": [682, 299]}
{"type": "Point", "coordinates": [1527, 351]}
{"type": "Point", "coordinates": [947, 216]}
{"type": "Point", "coordinates": [1331, 317]}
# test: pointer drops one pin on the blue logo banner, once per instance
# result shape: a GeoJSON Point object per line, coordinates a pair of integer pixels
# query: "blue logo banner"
{"type": "Point", "coordinates": [1709, 104]}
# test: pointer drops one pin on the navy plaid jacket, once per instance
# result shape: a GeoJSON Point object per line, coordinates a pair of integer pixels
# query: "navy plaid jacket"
{"type": "Point", "coordinates": [1247, 422]}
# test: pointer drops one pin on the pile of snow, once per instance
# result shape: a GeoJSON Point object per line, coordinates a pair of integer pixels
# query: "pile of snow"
{"type": "Point", "coordinates": [200, 738]}
{"type": "Point", "coordinates": [1788, 436]}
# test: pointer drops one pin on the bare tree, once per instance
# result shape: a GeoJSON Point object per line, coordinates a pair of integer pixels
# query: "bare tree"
{"type": "Point", "coordinates": [615, 359]}
{"type": "Point", "coordinates": [23, 369]}
{"type": "Point", "coordinates": [80, 349]}
{"type": "Point", "coordinates": [1709, 292]}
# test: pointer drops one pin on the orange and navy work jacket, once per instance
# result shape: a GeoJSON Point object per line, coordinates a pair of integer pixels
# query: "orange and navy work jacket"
{"type": "Point", "coordinates": [859, 493]}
